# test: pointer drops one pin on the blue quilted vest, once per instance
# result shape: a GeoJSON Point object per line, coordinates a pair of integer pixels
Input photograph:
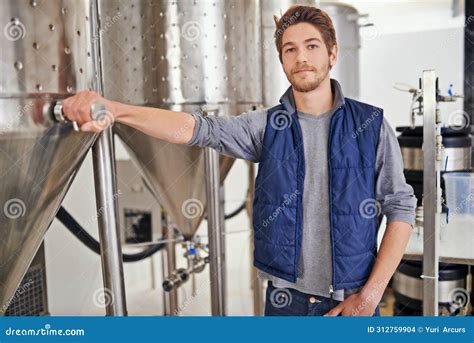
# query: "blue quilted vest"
{"type": "Point", "coordinates": [277, 209]}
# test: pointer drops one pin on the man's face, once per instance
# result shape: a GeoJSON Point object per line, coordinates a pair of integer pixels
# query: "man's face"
{"type": "Point", "coordinates": [306, 59]}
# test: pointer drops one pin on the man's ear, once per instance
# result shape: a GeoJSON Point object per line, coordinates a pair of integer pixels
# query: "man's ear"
{"type": "Point", "coordinates": [333, 56]}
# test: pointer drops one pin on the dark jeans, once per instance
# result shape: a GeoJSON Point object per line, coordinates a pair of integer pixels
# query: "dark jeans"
{"type": "Point", "coordinates": [290, 302]}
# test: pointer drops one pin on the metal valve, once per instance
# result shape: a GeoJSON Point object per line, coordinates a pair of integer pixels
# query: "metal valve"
{"type": "Point", "coordinates": [59, 115]}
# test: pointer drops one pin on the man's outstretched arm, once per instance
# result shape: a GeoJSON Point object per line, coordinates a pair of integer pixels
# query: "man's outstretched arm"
{"type": "Point", "coordinates": [237, 136]}
{"type": "Point", "coordinates": [170, 126]}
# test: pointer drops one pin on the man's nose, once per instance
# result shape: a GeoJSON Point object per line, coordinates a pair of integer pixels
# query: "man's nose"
{"type": "Point", "coordinates": [301, 57]}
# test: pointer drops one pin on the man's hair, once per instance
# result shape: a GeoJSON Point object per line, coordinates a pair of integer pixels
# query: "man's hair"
{"type": "Point", "coordinates": [305, 14]}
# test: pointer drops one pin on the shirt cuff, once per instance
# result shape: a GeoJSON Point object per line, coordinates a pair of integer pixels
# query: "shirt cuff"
{"type": "Point", "coordinates": [408, 218]}
{"type": "Point", "coordinates": [197, 127]}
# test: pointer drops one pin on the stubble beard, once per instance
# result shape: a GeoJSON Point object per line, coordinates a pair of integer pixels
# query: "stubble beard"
{"type": "Point", "coordinates": [305, 86]}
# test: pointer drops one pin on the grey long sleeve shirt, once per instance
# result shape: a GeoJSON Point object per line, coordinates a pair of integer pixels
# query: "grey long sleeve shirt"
{"type": "Point", "coordinates": [242, 137]}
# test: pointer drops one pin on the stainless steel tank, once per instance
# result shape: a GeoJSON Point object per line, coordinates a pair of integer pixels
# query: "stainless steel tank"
{"type": "Point", "coordinates": [346, 71]}
{"type": "Point", "coordinates": [183, 56]}
{"type": "Point", "coordinates": [407, 285]}
{"type": "Point", "coordinates": [46, 54]}
{"type": "Point", "coordinates": [346, 22]}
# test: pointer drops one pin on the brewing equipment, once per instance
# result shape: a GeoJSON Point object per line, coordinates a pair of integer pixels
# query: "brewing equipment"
{"type": "Point", "coordinates": [46, 55]}
{"type": "Point", "coordinates": [197, 57]}
{"type": "Point", "coordinates": [407, 286]}
{"type": "Point", "coordinates": [183, 56]}
{"type": "Point", "coordinates": [31, 298]}
{"type": "Point", "coordinates": [456, 156]}
{"type": "Point", "coordinates": [429, 152]}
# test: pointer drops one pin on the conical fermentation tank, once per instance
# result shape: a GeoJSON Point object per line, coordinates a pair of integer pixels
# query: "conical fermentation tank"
{"type": "Point", "coordinates": [189, 56]}
{"type": "Point", "coordinates": [46, 54]}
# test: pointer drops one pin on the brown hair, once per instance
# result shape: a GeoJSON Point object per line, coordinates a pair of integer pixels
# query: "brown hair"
{"type": "Point", "coordinates": [305, 14]}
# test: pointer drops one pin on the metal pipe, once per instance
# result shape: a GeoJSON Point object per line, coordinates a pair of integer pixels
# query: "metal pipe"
{"type": "Point", "coordinates": [163, 274]}
{"type": "Point", "coordinates": [222, 236]}
{"type": "Point", "coordinates": [178, 277]}
{"type": "Point", "coordinates": [171, 297]}
{"type": "Point", "coordinates": [215, 230]}
{"type": "Point", "coordinates": [431, 199]}
{"type": "Point", "coordinates": [107, 210]}
{"type": "Point", "coordinates": [105, 190]}
{"type": "Point", "coordinates": [255, 282]}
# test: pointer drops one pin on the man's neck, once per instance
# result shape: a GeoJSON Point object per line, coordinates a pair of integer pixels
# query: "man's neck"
{"type": "Point", "coordinates": [316, 102]}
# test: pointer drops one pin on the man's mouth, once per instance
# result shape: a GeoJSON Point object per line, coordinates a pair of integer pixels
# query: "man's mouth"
{"type": "Point", "coordinates": [302, 70]}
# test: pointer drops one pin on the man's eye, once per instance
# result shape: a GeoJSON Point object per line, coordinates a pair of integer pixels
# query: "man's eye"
{"type": "Point", "coordinates": [312, 46]}
{"type": "Point", "coordinates": [290, 50]}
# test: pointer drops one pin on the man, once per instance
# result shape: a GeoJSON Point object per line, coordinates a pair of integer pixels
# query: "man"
{"type": "Point", "coordinates": [328, 165]}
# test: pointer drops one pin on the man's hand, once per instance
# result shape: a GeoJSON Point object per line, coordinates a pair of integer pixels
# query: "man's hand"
{"type": "Point", "coordinates": [78, 108]}
{"type": "Point", "coordinates": [358, 304]}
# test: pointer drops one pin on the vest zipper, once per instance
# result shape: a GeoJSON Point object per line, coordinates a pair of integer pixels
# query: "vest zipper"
{"type": "Point", "coordinates": [300, 196]}
{"type": "Point", "coordinates": [331, 286]}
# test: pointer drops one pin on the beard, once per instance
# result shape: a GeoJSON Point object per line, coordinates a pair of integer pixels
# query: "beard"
{"type": "Point", "coordinates": [312, 80]}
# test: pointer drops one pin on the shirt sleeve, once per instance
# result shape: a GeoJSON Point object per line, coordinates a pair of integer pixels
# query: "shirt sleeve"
{"type": "Point", "coordinates": [236, 136]}
{"type": "Point", "coordinates": [396, 197]}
